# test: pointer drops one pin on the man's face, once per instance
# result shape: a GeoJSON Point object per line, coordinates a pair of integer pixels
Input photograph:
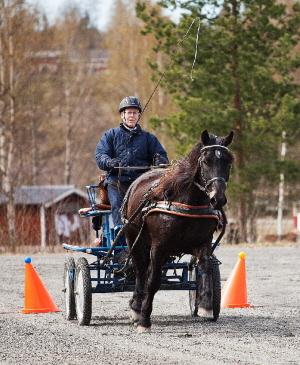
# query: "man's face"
{"type": "Point", "coordinates": [131, 117]}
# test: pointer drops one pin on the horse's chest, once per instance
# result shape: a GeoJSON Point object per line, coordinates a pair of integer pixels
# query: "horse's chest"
{"type": "Point", "coordinates": [179, 232]}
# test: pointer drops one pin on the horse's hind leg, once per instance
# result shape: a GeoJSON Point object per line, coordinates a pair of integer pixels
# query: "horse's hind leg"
{"type": "Point", "coordinates": [140, 259]}
{"type": "Point", "coordinates": [152, 286]}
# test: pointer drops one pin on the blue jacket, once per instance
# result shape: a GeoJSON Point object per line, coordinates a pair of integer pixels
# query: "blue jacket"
{"type": "Point", "coordinates": [133, 148]}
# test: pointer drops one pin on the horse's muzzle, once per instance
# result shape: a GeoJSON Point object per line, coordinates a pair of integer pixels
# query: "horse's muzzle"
{"type": "Point", "coordinates": [217, 197]}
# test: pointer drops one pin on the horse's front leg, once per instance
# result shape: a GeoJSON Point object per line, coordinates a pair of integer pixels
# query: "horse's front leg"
{"type": "Point", "coordinates": [152, 286]}
{"type": "Point", "coordinates": [204, 295]}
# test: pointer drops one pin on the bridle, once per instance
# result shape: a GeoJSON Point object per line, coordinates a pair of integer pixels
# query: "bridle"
{"type": "Point", "coordinates": [207, 183]}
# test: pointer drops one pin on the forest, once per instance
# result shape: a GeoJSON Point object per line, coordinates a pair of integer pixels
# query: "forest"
{"type": "Point", "coordinates": [224, 65]}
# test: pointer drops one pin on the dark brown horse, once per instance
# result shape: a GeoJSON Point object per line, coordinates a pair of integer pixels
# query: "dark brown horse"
{"type": "Point", "coordinates": [197, 180]}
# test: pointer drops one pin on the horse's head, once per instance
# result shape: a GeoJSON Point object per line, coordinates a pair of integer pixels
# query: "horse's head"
{"type": "Point", "coordinates": [214, 165]}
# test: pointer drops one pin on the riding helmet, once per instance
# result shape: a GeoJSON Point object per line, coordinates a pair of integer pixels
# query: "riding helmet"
{"type": "Point", "coordinates": [130, 102]}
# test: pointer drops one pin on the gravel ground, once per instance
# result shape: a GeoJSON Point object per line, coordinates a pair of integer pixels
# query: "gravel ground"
{"type": "Point", "coordinates": [268, 333]}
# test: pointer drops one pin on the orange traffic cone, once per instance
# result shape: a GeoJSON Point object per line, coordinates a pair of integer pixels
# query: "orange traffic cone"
{"type": "Point", "coordinates": [37, 298]}
{"type": "Point", "coordinates": [235, 291]}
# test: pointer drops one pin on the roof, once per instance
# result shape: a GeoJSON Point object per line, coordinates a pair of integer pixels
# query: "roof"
{"type": "Point", "coordinates": [43, 194]}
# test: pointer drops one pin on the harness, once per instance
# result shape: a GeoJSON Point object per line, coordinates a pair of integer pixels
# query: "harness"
{"type": "Point", "coordinates": [148, 207]}
{"type": "Point", "coordinates": [183, 210]}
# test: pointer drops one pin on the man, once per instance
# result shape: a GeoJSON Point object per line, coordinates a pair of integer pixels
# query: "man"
{"type": "Point", "coordinates": [125, 146]}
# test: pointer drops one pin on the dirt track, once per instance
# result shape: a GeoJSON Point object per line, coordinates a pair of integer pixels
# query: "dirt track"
{"type": "Point", "coordinates": [269, 333]}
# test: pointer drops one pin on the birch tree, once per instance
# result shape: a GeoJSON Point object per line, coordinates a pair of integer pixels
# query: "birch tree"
{"type": "Point", "coordinates": [76, 83]}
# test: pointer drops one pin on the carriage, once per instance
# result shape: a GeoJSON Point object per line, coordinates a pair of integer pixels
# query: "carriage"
{"type": "Point", "coordinates": [166, 213]}
{"type": "Point", "coordinates": [104, 274]}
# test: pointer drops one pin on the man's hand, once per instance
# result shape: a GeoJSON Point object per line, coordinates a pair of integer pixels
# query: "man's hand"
{"type": "Point", "coordinates": [114, 162]}
{"type": "Point", "coordinates": [158, 159]}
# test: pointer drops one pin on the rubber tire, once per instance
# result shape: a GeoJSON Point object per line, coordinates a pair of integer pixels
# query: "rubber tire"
{"type": "Point", "coordinates": [83, 292]}
{"type": "Point", "coordinates": [216, 290]}
{"type": "Point", "coordinates": [69, 276]}
{"type": "Point", "coordinates": [192, 276]}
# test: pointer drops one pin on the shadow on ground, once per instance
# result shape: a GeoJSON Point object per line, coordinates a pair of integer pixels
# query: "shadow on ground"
{"type": "Point", "coordinates": [245, 326]}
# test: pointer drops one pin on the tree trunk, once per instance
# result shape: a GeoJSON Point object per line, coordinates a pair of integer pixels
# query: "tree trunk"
{"type": "Point", "coordinates": [252, 214]}
{"type": "Point", "coordinates": [34, 152]}
{"type": "Point", "coordinates": [2, 107]}
{"type": "Point", "coordinates": [281, 190]}
{"type": "Point", "coordinates": [240, 160]}
{"type": "Point", "coordinates": [68, 161]}
{"type": "Point", "coordinates": [8, 183]}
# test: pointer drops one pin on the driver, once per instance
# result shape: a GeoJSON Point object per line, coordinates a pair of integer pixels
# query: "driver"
{"type": "Point", "coordinates": [126, 145]}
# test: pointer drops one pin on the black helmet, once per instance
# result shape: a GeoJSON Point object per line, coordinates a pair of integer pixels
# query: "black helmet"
{"type": "Point", "coordinates": [130, 102]}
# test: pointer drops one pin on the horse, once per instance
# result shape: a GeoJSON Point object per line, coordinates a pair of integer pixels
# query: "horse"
{"type": "Point", "coordinates": [153, 235]}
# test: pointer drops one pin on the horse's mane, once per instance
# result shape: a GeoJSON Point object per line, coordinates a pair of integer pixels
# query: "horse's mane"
{"type": "Point", "coordinates": [179, 177]}
{"type": "Point", "coordinates": [181, 174]}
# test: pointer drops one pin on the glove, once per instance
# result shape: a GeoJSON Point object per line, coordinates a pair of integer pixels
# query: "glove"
{"type": "Point", "coordinates": [158, 159]}
{"type": "Point", "coordinates": [114, 162]}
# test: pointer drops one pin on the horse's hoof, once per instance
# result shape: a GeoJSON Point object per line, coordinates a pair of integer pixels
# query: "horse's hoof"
{"type": "Point", "coordinates": [141, 329]}
{"type": "Point", "coordinates": [135, 316]}
{"type": "Point", "coordinates": [205, 313]}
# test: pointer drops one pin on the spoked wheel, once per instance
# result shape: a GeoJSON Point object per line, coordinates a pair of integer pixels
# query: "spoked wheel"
{"type": "Point", "coordinates": [216, 288]}
{"type": "Point", "coordinates": [83, 292]}
{"type": "Point", "coordinates": [192, 276]}
{"type": "Point", "coordinates": [69, 275]}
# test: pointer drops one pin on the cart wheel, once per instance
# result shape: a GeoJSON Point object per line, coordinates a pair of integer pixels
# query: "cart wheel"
{"type": "Point", "coordinates": [69, 275]}
{"type": "Point", "coordinates": [83, 292]}
{"type": "Point", "coordinates": [216, 289]}
{"type": "Point", "coordinates": [193, 276]}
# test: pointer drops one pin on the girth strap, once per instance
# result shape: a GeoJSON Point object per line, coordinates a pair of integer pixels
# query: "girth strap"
{"type": "Point", "coordinates": [184, 210]}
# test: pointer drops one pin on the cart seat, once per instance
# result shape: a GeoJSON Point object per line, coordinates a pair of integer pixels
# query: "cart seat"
{"type": "Point", "coordinates": [84, 211]}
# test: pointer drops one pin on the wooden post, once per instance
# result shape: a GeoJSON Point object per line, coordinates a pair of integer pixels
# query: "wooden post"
{"type": "Point", "coordinates": [281, 190]}
{"type": "Point", "coordinates": [43, 226]}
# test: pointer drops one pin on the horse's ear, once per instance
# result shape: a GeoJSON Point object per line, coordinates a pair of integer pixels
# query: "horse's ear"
{"type": "Point", "coordinates": [205, 137]}
{"type": "Point", "coordinates": [228, 139]}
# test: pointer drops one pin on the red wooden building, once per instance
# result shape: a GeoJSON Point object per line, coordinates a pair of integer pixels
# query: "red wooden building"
{"type": "Point", "coordinates": [47, 215]}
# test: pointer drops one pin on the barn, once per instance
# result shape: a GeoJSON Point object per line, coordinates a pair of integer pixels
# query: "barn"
{"type": "Point", "coordinates": [47, 215]}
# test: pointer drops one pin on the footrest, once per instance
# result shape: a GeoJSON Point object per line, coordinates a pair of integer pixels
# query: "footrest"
{"type": "Point", "coordinates": [91, 250]}
{"type": "Point", "coordinates": [90, 212]}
